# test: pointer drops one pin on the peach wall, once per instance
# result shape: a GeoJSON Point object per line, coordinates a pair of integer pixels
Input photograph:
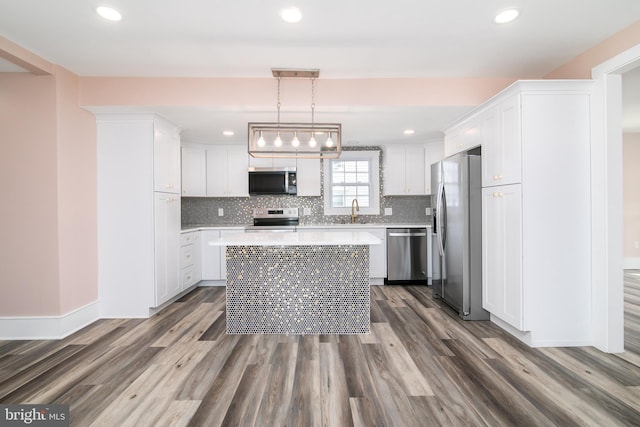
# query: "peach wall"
{"type": "Point", "coordinates": [247, 92]}
{"type": "Point", "coordinates": [631, 193]}
{"type": "Point", "coordinates": [28, 212]}
{"type": "Point", "coordinates": [77, 196]}
{"type": "Point", "coordinates": [580, 67]}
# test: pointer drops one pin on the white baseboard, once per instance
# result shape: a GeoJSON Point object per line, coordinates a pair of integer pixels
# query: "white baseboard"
{"type": "Point", "coordinates": [631, 263]}
{"type": "Point", "coordinates": [205, 283]}
{"type": "Point", "coordinates": [48, 327]}
{"type": "Point", "coordinates": [529, 339]}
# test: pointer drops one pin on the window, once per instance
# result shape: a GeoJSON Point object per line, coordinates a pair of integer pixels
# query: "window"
{"type": "Point", "coordinates": [355, 175]}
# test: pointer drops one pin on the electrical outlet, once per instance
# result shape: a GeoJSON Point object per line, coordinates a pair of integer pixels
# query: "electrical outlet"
{"type": "Point", "coordinates": [636, 245]}
{"type": "Point", "coordinates": [220, 212]}
{"type": "Point", "coordinates": [388, 211]}
{"type": "Point", "coordinates": [306, 211]}
{"type": "Point", "coordinates": [427, 211]}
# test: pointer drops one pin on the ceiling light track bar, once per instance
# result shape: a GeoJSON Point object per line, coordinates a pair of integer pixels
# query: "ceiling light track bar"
{"type": "Point", "coordinates": [294, 73]}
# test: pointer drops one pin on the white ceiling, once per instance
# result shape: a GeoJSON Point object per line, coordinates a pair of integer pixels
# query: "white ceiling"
{"type": "Point", "coordinates": [344, 39]}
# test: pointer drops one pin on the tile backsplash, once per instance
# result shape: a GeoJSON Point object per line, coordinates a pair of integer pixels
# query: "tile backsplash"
{"type": "Point", "coordinates": [238, 210]}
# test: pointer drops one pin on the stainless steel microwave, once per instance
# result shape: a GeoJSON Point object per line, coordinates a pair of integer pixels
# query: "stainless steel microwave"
{"type": "Point", "coordinates": [272, 181]}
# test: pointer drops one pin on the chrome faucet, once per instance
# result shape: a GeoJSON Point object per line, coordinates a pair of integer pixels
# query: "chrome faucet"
{"type": "Point", "coordinates": [354, 214]}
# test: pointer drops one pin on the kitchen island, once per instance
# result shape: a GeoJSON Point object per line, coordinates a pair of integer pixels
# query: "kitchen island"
{"type": "Point", "coordinates": [314, 282]}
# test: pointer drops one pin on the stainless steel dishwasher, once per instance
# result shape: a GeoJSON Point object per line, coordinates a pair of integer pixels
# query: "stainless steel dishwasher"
{"type": "Point", "coordinates": [407, 254]}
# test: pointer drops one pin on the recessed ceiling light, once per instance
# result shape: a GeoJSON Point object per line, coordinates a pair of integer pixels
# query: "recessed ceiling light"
{"type": "Point", "coordinates": [228, 133]}
{"type": "Point", "coordinates": [506, 15]}
{"type": "Point", "coordinates": [292, 15]}
{"type": "Point", "coordinates": [409, 132]}
{"type": "Point", "coordinates": [109, 13]}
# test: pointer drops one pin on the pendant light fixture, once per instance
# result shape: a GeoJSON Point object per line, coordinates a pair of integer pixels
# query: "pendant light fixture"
{"type": "Point", "coordinates": [295, 140]}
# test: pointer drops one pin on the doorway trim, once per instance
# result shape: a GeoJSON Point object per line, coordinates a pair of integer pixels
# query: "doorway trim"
{"type": "Point", "coordinates": [607, 275]}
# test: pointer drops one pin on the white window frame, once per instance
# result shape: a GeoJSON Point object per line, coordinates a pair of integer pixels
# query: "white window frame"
{"type": "Point", "coordinates": [373, 157]}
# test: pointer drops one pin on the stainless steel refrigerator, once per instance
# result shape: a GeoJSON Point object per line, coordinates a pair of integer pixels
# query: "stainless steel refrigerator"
{"type": "Point", "coordinates": [457, 210]}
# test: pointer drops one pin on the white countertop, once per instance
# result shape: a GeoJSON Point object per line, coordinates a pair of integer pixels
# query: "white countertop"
{"type": "Point", "coordinates": [303, 227]}
{"type": "Point", "coordinates": [299, 238]}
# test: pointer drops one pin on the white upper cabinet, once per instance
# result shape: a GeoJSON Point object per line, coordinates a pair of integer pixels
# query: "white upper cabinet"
{"type": "Point", "coordinates": [227, 174]}
{"type": "Point", "coordinates": [261, 162]}
{"type": "Point", "coordinates": [433, 152]}
{"type": "Point", "coordinates": [502, 152]}
{"type": "Point", "coordinates": [308, 176]}
{"type": "Point", "coordinates": [404, 170]}
{"type": "Point", "coordinates": [166, 158]}
{"type": "Point", "coordinates": [194, 171]}
{"type": "Point", "coordinates": [464, 137]}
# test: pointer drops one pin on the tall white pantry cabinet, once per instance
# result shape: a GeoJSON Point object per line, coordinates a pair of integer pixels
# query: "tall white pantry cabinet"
{"type": "Point", "coordinates": [536, 255]}
{"type": "Point", "coordinates": [138, 214]}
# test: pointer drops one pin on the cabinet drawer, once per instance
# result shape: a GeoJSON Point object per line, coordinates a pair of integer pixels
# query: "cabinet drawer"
{"type": "Point", "coordinates": [186, 256]}
{"type": "Point", "coordinates": [187, 238]}
{"type": "Point", "coordinates": [187, 277]}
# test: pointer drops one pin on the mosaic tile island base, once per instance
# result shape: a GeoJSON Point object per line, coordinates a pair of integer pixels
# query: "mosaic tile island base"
{"type": "Point", "coordinates": [298, 290]}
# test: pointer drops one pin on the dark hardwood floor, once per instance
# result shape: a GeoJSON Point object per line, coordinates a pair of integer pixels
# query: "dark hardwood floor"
{"type": "Point", "coordinates": [420, 366]}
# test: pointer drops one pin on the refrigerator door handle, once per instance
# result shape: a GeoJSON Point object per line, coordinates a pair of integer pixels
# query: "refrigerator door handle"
{"type": "Point", "coordinates": [439, 218]}
{"type": "Point", "coordinates": [443, 222]}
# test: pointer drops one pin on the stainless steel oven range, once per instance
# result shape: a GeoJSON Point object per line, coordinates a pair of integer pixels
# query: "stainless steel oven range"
{"type": "Point", "coordinates": [274, 220]}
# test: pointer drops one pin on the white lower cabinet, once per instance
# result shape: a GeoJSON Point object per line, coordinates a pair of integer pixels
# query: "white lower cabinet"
{"type": "Point", "coordinates": [502, 293]}
{"type": "Point", "coordinates": [223, 255]}
{"type": "Point", "coordinates": [190, 259]}
{"type": "Point", "coordinates": [214, 264]}
{"type": "Point", "coordinates": [377, 253]}
{"type": "Point", "coordinates": [167, 246]}
{"type": "Point", "coordinates": [211, 269]}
